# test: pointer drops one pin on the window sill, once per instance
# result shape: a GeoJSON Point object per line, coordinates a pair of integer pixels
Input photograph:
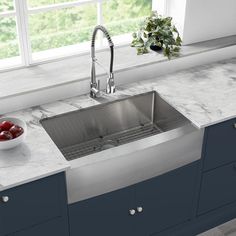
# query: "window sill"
{"type": "Point", "coordinates": [77, 68]}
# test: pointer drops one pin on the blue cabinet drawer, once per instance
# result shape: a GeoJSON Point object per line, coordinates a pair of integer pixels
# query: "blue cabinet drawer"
{"type": "Point", "coordinates": [30, 204]}
{"type": "Point", "coordinates": [220, 144]}
{"type": "Point", "coordinates": [218, 188]}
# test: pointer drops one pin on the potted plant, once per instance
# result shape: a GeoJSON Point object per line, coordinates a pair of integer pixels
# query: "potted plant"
{"type": "Point", "coordinates": [157, 33]}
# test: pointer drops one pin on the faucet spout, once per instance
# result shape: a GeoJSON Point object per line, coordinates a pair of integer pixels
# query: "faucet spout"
{"type": "Point", "coordinates": [110, 88]}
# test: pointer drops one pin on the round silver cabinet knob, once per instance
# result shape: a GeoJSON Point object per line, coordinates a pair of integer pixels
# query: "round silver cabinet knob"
{"type": "Point", "coordinates": [235, 125]}
{"type": "Point", "coordinates": [139, 209]}
{"type": "Point", "coordinates": [5, 199]}
{"type": "Point", "coordinates": [132, 212]}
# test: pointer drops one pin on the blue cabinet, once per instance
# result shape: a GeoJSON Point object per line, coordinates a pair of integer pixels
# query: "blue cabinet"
{"type": "Point", "coordinates": [183, 202]}
{"type": "Point", "coordinates": [220, 146]}
{"type": "Point", "coordinates": [218, 188]}
{"type": "Point", "coordinates": [166, 200]}
{"type": "Point", "coordinates": [219, 167]}
{"type": "Point", "coordinates": [155, 204]}
{"type": "Point", "coordinates": [32, 204]}
{"type": "Point", "coordinates": [104, 215]}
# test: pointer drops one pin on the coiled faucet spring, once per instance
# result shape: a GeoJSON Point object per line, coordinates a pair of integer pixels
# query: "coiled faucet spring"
{"type": "Point", "coordinates": [94, 86]}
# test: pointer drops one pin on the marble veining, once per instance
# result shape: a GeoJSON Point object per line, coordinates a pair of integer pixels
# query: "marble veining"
{"type": "Point", "coordinates": [206, 95]}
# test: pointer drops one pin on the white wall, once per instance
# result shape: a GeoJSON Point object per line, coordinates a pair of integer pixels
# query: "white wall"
{"type": "Point", "coordinates": [209, 19]}
{"type": "Point", "coordinates": [176, 9]}
{"type": "Point", "coordinates": [173, 8]}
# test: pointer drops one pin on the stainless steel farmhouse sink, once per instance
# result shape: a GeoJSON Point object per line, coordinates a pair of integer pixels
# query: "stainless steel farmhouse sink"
{"type": "Point", "coordinates": [123, 142]}
{"type": "Point", "coordinates": [105, 126]}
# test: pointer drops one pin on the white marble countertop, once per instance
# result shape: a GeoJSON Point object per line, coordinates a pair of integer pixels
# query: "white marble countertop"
{"type": "Point", "coordinates": [205, 95]}
{"type": "Point", "coordinates": [36, 158]}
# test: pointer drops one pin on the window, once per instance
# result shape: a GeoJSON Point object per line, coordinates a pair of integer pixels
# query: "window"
{"type": "Point", "coordinates": [32, 31]}
{"type": "Point", "coordinates": [9, 46]}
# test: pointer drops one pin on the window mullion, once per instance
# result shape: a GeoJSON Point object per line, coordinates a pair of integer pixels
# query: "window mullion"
{"type": "Point", "coordinates": [58, 6]}
{"type": "Point", "coordinates": [7, 14]}
{"type": "Point", "coordinates": [23, 31]}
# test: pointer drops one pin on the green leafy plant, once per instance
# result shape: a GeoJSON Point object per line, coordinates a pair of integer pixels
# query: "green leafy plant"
{"type": "Point", "coordinates": [160, 32]}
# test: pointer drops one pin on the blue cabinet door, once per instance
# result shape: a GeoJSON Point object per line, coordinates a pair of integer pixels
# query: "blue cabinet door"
{"type": "Point", "coordinates": [105, 215]}
{"type": "Point", "coordinates": [33, 203]}
{"type": "Point", "coordinates": [1, 222]}
{"type": "Point", "coordinates": [166, 200]}
{"type": "Point", "coordinates": [56, 227]}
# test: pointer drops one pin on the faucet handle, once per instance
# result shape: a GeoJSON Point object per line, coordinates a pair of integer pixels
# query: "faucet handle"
{"type": "Point", "coordinates": [95, 90]}
{"type": "Point", "coordinates": [111, 88]}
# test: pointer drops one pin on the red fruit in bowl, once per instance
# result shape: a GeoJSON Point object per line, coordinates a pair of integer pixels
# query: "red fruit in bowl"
{"type": "Point", "coordinates": [6, 125]}
{"type": "Point", "coordinates": [5, 135]}
{"type": "Point", "coordinates": [16, 131]}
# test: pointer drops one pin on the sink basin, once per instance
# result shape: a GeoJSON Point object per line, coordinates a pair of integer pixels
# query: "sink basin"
{"type": "Point", "coordinates": [105, 126]}
{"type": "Point", "coordinates": [120, 143]}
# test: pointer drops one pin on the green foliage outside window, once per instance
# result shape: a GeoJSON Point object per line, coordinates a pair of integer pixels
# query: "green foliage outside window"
{"type": "Point", "coordinates": [70, 26]}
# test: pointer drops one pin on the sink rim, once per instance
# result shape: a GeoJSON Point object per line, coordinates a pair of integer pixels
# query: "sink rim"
{"type": "Point", "coordinates": [97, 106]}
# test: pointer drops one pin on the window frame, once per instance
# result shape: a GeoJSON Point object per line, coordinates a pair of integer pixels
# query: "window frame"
{"type": "Point", "coordinates": [22, 11]}
{"type": "Point", "coordinates": [161, 6]}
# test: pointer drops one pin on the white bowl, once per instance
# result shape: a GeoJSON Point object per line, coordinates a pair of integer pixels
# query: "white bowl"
{"type": "Point", "coordinates": [8, 144]}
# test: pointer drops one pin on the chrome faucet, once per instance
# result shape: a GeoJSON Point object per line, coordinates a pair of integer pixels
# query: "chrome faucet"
{"type": "Point", "coordinates": [95, 86]}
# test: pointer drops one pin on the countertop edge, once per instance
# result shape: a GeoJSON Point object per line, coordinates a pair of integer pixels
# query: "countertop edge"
{"type": "Point", "coordinates": [16, 184]}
